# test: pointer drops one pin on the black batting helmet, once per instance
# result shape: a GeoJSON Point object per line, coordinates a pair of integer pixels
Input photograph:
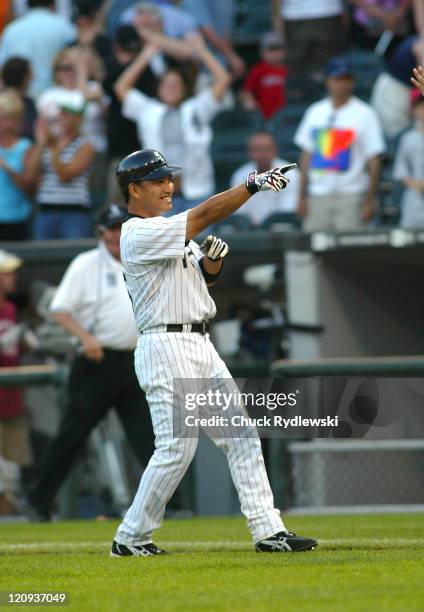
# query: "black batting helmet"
{"type": "Point", "coordinates": [144, 165]}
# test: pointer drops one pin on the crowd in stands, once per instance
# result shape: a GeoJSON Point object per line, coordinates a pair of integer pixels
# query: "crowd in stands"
{"type": "Point", "coordinates": [220, 87]}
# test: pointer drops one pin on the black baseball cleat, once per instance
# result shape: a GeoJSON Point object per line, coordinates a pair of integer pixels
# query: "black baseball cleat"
{"type": "Point", "coordinates": [285, 541]}
{"type": "Point", "coordinates": [144, 550]}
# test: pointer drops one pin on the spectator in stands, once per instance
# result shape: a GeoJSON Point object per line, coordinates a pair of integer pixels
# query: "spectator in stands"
{"type": "Point", "coordinates": [37, 36]}
{"type": "Point", "coordinates": [172, 52]}
{"type": "Point", "coordinates": [176, 23]}
{"type": "Point", "coordinates": [262, 152]}
{"type": "Point", "coordinates": [390, 95]}
{"type": "Point", "coordinates": [215, 18]}
{"type": "Point", "coordinates": [96, 44]}
{"type": "Point", "coordinates": [177, 125]}
{"type": "Point", "coordinates": [148, 22]}
{"type": "Point", "coordinates": [14, 438]}
{"type": "Point", "coordinates": [371, 18]}
{"type": "Point", "coordinates": [16, 75]}
{"type": "Point", "coordinates": [62, 157]}
{"type": "Point", "coordinates": [113, 14]}
{"type": "Point", "coordinates": [121, 132]}
{"type": "Point", "coordinates": [92, 304]}
{"type": "Point", "coordinates": [314, 31]}
{"type": "Point", "coordinates": [264, 87]}
{"type": "Point", "coordinates": [409, 168]}
{"type": "Point", "coordinates": [341, 144]}
{"type": "Point", "coordinates": [15, 175]}
{"type": "Point", "coordinates": [70, 69]}
{"type": "Point", "coordinates": [418, 13]}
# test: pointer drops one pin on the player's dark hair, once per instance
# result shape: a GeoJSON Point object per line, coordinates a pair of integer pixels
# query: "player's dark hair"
{"type": "Point", "coordinates": [14, 72]}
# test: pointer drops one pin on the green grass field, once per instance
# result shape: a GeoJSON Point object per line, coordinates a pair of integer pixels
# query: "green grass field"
{"type": "Point", "coordinates": [373, 562]}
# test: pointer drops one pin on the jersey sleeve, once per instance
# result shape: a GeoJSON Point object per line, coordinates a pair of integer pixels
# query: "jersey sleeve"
{"type": "Point", "coordinates": [196, 250]}
{"type": "Point", "coordinates": [69, 294]}
{"type": "Point", "coordinates": [157, 238]}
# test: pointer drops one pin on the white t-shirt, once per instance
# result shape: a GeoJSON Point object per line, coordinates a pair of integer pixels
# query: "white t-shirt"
{"type": "Point", "coordinates": [340, 141]}
{"type": "Point", "coordinates": [265, 203]}
{"type": "Point", "coordinates": [162, 272]}
{"type": "Point", "coordinates": [310, 9]}
{"type": "Point", "coordinates": [93, 291]}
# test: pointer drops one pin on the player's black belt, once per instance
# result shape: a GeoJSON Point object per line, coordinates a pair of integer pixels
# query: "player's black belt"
{"type": "Point", "coordinates": [198, 328]}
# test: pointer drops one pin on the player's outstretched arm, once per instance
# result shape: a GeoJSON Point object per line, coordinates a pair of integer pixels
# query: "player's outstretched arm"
{"type": "Point", "coordinates": [223, 204]}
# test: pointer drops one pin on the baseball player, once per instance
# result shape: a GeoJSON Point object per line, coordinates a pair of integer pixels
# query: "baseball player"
{"type": "Point", "coordinates": [167, 276]}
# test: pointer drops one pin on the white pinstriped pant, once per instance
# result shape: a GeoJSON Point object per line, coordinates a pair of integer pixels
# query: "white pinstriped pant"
{"type": "Point", "coordinates": [159, 359]}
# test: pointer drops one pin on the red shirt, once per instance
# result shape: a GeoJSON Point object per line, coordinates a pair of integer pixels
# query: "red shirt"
{"type": "Point", "coordinates": [11, 404]}
{"type": "Point", "coordinates": [267, 83]}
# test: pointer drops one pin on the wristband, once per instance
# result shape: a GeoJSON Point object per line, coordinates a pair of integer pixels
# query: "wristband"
{"type": "Point", "coordinates": [251, 185]}
{"type": "Point", "coordinates": [210, 278]}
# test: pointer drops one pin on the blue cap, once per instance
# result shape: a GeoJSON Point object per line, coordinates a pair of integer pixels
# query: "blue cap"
{"type": "Point", "coordinates": [338, 67]}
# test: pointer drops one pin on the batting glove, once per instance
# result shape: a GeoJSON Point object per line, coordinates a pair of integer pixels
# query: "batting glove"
{"type": "Point", "coordinates": [272, 179]}
{"type": "Point", "coordinates": [214, 248]}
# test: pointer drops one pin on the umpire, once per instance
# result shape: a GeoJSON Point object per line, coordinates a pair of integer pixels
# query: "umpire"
{"type": "Point", "coordinates": [92, 304]}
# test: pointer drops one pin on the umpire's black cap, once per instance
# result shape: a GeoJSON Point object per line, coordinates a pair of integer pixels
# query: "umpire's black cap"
{"type": "Point", "coordinates": [144, 165]}
{"type": "Point", "coordinates": [113, 216]}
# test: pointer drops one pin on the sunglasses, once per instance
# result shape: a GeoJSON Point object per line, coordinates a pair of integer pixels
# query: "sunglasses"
{"type": "Point", "coordinates": [64, 68]}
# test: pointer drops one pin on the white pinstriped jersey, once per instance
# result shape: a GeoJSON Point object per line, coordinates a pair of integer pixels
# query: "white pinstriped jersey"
{"type": "Point", "coordinates": [162, 272]}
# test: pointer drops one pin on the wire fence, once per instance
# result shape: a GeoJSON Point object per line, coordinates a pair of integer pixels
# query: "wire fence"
{"type": "Point", "coordinates": [357, 473]}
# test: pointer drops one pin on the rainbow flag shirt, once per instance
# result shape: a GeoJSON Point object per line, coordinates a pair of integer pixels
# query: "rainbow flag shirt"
{"type": "Point", "coordinates": [332, 149]}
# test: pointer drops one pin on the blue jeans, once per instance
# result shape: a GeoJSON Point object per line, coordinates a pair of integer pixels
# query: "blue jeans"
{"type": "Point", "coordinates": [49, 225]}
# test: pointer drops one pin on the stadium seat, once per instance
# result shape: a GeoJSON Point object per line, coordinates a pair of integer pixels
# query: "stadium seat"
{"type": "Point", "coordinates": [252, 19]}
{"type": "Point", "coordinates": [238, 222]}
{"type": "Point", "coordinates": [299, 89]}
{"type": "Point", "coordinates": [286, 148]}
{"type": "Point", "coordinates": [290, 115]}
{"type": "Point", "coordinates": [231, 121]}
{"type": "Point", "coordinates": [366, 68]}
{"type": "Point", "coordinates": [224, 169]}
{"type": "Point", "coordinates": [231, 130]}
{"type": "Point", "coordinates": [283, 126]}
{"type": "Point", "coordinates": [282, 221]}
